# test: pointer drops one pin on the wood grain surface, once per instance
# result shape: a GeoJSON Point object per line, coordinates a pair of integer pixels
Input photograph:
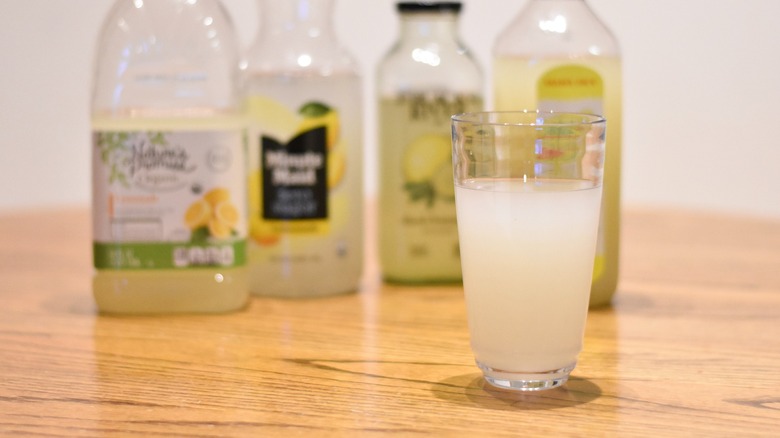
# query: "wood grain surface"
{"type": "Point", "coordinates": [691, 347]}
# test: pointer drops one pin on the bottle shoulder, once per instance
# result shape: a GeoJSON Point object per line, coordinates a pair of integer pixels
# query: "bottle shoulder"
{"type": "Point", "coordinates": [307, 57]}
{"type": "Point", "coordinates": [429, 66]}
{"type": "Point", "coordinates": [164, 28]}
{"type": "Point", "coordinates": [556, 28]}
{"type": "Point", "coordinates": [142, 60]}
{"type": "Point", "coordinates": [421, 61]}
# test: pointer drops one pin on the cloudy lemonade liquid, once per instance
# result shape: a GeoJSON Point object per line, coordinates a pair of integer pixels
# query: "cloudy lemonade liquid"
{"type": "Point", "coordinates": [199, 258]}
{"type": "Point", "coordinates": [547, 84]}
{"type": "Point", "coordinates": [524, 273]}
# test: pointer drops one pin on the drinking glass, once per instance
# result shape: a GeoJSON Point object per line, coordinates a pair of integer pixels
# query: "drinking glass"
{"type": "Point", "coordinates": [528, 197]}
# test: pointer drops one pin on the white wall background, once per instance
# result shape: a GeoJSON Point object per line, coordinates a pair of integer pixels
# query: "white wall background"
{"type": "Point", "coordinates": [701, 93]}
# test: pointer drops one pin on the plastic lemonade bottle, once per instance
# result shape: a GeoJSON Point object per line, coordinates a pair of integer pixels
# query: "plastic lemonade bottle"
{"type": "Point", "coordinates": [305, 151]}
{"type": "Point", "coordinates": [169, 192]}
{"type": "Point", "coordinates": [427, 76]}
{"type": "Point", "coordinates": [557, 55]}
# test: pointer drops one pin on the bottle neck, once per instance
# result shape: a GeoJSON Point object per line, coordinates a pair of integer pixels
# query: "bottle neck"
{"type": "Point", "coordinates": [297, 36]}
{"type": "Point", "coordinates": [438, 26]}
{"type": "Point", "coordinates": [312, 18]}
{"type": "Point", "coordinates": [556, 28]}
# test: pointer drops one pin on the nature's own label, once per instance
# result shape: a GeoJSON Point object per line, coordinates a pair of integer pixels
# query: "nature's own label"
{"type": "Point", "coordinates": [579, 89]}
{"type": "Point", "coordinates": [168, 200]}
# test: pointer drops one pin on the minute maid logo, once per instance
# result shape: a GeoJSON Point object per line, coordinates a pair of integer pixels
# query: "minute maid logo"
{"type": "Point", "coordinates": [148, 160]}
{"type": "Point", "coordinates": [295, 176]}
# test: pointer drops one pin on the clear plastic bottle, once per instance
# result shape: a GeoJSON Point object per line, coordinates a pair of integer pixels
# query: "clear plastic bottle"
{"type": "Point", "coordinates": [305, 149]}
{"type": "Point", "coordinates": [169, 194]}
{"type": "Point", "coordinates": [558, 55]}
{"type": "Point", "coordinates": [427, 76]}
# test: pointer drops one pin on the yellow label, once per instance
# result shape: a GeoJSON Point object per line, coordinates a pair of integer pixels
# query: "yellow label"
{"type": "Point", "coordinates": [578, 89]}
{"type": "Point", "coordinates": [300, 159]}
{"type": "Point", "coordinates": [571, 88]}
{"type": "Point", "coordinates": [570, 82]}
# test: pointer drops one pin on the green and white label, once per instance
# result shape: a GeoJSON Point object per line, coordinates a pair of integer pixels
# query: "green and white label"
{"type": "Point", "coordinates": [168, 199]}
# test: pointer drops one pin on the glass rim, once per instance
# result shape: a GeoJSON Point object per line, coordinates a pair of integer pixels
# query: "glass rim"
{"type": "Point", "coordinates": [484, 118]}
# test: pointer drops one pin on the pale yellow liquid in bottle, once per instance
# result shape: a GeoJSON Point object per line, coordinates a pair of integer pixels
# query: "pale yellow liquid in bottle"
{"type": "Point", "coordinates": [515, 88]}
{"type": "Point", "coordinates": [200, 290]}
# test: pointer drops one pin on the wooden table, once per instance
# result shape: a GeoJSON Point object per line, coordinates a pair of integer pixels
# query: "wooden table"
{"type": "Point", "coordinates": [690, 347]}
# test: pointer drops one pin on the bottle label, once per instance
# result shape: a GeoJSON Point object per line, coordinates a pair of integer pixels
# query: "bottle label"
{"type": "Point", "coordinates": [168, 199]}
{"type": "Point", "coordinates": [571, 88]}
{"type": "Point", "coordinates": [302, 160]}
{"type": "Point", "coordinates": [575, 88]}
{"type": "Point", "coordinates": [418, 225]}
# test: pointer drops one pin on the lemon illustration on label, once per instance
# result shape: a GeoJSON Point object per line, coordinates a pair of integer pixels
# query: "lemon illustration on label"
{"type": "Point", "coordinates": [227, 213]}
{"type": "Point", "coordinates": [198, 214]}
{"type": "Point", "coordinates": [264, 233]}
{"type": "Point", "coordinates": [337, 166]}
{"type": "Point", "coordinates": [277, 121]}
{"type": "Point", "coordinates": [219, 229]}
{"type": "Point", "coordinates": [424, 155]}
{"type": "Point", "coordinates": [216, 196]}
{"type": "Point", "coordinates": [427, 168]}
{"type": "Point", "coordinates": [212, 216]}
{"type": "Point", "coordinates": [442, 182]}
{"type": "Point", "coordinates": [317, 114]}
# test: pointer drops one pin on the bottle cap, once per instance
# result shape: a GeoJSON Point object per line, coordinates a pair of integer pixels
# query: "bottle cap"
{"type": "Point", "coordinates": [429, 6]}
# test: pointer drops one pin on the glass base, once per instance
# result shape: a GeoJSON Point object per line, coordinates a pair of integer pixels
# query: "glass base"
{"type": "Point", "coordinates": [526, 381]}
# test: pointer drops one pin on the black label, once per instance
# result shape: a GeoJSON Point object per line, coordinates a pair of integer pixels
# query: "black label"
{"type": "Point", "coordinates": [295, 180]}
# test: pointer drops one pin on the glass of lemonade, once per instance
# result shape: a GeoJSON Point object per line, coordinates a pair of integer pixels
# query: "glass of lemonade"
{"type": "Point", "coordinates": [528, 195]}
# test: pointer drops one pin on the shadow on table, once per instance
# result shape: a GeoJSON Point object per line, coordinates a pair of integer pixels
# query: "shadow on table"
{"type": "Point", "coordinates": [472, 390]}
